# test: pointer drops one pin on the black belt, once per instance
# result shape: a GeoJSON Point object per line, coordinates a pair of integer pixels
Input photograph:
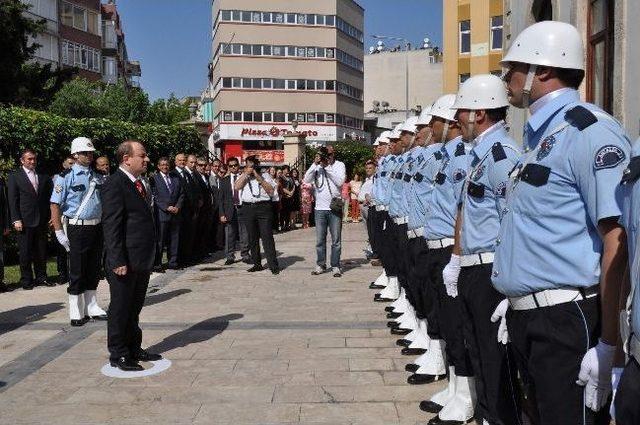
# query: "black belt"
{"type": "Point", "coordinates": [257, 203]}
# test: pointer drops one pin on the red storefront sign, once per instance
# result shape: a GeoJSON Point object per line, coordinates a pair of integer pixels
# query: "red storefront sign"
{"type": "Point", "coordinates": [273, 156]}
{"type": "Point", "coordinates": [273, 132]}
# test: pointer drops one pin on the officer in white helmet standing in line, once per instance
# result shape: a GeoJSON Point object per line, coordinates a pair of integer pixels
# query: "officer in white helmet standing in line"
{"type": "Point", "coordinates": [376, 217]}
{"type": "Point", "coordinates": [560, 252]}
{"type": "Point", "coordinates": [76, 213]}
{"type": "Point", "coordinates": [481, 106]}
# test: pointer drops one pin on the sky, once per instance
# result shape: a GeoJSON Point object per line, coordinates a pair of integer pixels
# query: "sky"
{"type": "Point", "coordinates": [172, 38]}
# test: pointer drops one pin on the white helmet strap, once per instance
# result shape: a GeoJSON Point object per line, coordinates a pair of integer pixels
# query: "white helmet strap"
{"type": "Point", "coordinates": [472, 122]}
{"type": "Point", "coordinates": [445, 132]}
{"type": "Point", "coordinates": [526, 91]}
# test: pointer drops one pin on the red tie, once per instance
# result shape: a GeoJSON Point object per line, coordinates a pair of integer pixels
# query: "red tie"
{"type": "Point", "coordinates": [141, 190]}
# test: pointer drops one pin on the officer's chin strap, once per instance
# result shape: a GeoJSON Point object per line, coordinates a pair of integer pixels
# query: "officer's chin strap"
{"type": "Point", "coordinates": [471, 124]}
{"type": "Point", "coordinates": [445, 132]}
{"type": "Point", "coordinates": [526, 95]}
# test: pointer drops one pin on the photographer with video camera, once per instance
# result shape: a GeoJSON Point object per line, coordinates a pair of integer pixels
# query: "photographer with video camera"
{"type": "Point", "coordinates": [327, 176]}
{"type": "Point", "coordinates": [256, 189]}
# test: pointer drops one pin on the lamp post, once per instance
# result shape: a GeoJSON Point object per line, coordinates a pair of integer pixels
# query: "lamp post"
{"type": "Point", "coordinates": [406, 67]}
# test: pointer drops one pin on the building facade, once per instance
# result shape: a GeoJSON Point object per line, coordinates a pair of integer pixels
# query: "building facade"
{"type": "Point", "coordinates": [81, 37]}
{"type": "Point", "coordinates": [116, 65]}
{"type": "Point", "coordinates": [473, 39]}
{"type": "Point", "coordinates": [609, 31]}
{"type": "Point", "coordinates": [49, 41]}
{"type": "Point", "coordinates": [282, 61]}
{"type": "Point", "coordinates": [386, 74]}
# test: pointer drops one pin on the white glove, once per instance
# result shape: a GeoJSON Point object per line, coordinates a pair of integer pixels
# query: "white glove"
{"type": "Point", "coordinates": [450, 275]}
{"type": "Point", "coordinates": [63, 240]}
{"type": "Point", "coordinates": [500, 313]}
{"type": "Point", "coordinates": [616, 374]}
{"type": "Point", "coordinates": [595, 375]}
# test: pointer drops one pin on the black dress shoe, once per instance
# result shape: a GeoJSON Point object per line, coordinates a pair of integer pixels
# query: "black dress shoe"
{"type": "Point", "coordinates": [379, 299]}
{"type": "Point", "coordinates": [389, 308]}
{"type": "Point", "coordinates": [393, 324]}
{"type": "Point", "coordinates": [430, 406]}
{"type": "Point", "coordinates": [394, 315]}
{"type": "Point", "coordinates": [101, 317]}
{"type": "Point", "coordinates": [145, 356]}
{"type": "Point", "coordinates": [63, 282]}
{"type": "Point", "coordinates": [374, 286]}
{"type": "Point", "coordinates": [27, 286]}
{"type": "Point", "coordinates": [45, 283]}
{"type": "Point", "coordinates": [247, 260]}
{"type": "Point", "coordinates": [400, 331]}
{"type": "Point", "coordinates": [403, 342]}
{"type": "Point", "coordinates": [275, 271]}
{"type": "Point", "coordinates": [173, 267]}
{"type": "Point", "coordinates": [406, 351]}
{"type": "Point", "coordinates": [255, 269]}
{"type": "Point", "coordinates": [437, 421]}
{"type": "Point", "coordinates": [421, 379]}
{"type": "Point", "coordinates": [4, 287]}
{"type": "Point", "coordinates": [126, 364]}
{"type": "Point", "coordinates": [229, 262]}
{"type": "Point", "coordinates": [412, 367]}
{"type": "Point", "coordinates": [158, 269]}
{"type": "Point", "coordinates": [77, 322]}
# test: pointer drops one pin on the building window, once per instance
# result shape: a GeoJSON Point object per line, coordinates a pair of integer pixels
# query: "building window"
{"type": "Point", "coordinates": [81, 56]}
{"type": "Point", "coordinates": [600, 54]}
{"type": "Point", "coordinates": [465, 36]}
{"type": "Point", "coordinates": [542, 10]}
{"type": "Point", "coordinates": [496, 32]}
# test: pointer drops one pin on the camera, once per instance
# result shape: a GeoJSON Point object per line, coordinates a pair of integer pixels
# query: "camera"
{"type": "Point", "coordinates": [324, 154]}
{"type": "Point", "coordinates": [255, 163]}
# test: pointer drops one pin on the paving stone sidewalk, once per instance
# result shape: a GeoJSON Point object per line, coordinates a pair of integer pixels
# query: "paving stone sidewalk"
{"type": "Point", "coordinates": [246, 348]}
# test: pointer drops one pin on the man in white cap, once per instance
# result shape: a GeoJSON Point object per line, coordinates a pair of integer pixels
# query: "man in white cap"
{"type": "Point", "coordinates": [76, 214]}
{"type": "Point", "coordinates": [560, 258]}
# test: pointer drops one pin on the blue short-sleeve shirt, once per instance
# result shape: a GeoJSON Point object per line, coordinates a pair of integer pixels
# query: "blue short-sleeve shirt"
{"type": "Point", "coordinates": [69, 189]}
{"type": "Point", "coordinates": [425, 168]}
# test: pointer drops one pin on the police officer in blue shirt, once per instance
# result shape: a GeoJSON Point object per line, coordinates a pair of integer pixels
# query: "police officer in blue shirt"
{"type": "Point", "coordinates": [75, 204]}
{"type": "Point", "coordinates": [373, 218]}
{"type": "Point", "coordinates": [482, 107]}
{"type": "Point", "coordinates": [627, 380]}
{"type": "Point", "coordinates": [417, 193]}
{"type": "Point", "coordinates": [388, 253]}
{"type": "Point", "coordinates": [560, 251]}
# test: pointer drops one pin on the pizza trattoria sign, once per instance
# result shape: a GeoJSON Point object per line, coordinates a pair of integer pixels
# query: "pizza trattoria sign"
{"type": "Point", "coordinates": [273, 132]}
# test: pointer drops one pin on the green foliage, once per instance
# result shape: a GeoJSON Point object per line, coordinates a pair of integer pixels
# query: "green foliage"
{"type": "Point", "coordinates": [169, 111]}
{"type": "Point", "coordinates": [50, 135]}
{"type": "Point", "coordinates": [354, 155]}
{"type": "Point", "coordinates": [116, 102]}
{"type": "Point", "coordinates": [77, 99]}
{"type": "Point", "coordinates": [22, 83]}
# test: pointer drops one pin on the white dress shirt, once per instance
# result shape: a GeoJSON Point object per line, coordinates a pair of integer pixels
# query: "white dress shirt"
{"type": "Point", "coordinates": [327, 183]}
{"type": "Point", "coordinates": [253, 192]}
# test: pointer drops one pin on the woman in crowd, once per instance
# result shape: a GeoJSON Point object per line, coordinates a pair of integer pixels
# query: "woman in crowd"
{"type": "Point", "coordinates": [355, 185]}
{"type": "Point", "coordinates": [286, 205]}
{"type": "Point", "coordinates": [345, 194]}
{"type": "Point", "coordinates": [275, 198]}
{"type": "Point", "coordinates": [295, 206]}
{"type": "Point", "coordinates": [306, 202]}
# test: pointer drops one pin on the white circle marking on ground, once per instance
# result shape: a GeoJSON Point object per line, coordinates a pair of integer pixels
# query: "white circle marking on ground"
{"type": "Point", "coordinates": [158, 367]}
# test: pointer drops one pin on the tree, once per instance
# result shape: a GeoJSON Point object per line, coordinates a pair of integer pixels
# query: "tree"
{"type": "Point", "coordinates": [170, 111]}
{"type": "Point", "coordinates": [23, 83]}
{"type": "Point", "coordinates": [77, 99]}
{"type": "Point", "coordinates": [118, 103]}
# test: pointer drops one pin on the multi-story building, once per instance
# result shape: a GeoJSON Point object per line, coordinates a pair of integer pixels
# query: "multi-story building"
{"type": "Point", "coordinates": [282, 61]}
{"type": "Point", "coordinates": [472, 40]}
{"type": "Point", "coordinates": [116, 65]}
{"type": "Point", "coordinates": [400, 82]}
{"type": "Point", "coordinates": [49, 50]}
{"type": "Point", "coordinates": [80, 37]}
{"type": "Point", "coordinates": [609, 31]}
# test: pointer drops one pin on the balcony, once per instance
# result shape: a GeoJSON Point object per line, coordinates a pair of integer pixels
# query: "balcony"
{"type": "Point", "coordinates": [109, 37]}
{"type": "Point", "coordinates": [133, 69]}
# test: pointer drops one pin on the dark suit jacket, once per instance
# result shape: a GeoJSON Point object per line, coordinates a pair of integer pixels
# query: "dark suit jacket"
{"type": "Point", "coordinates": [164, 198]}
{"type": "Point", "coordinates": [4, 209]}
{"type": "Point", "coordinates": [205, 192]}
{"type": "Point", "coordinates": [226, 202]}
{"type": "Point", "coordinates": [127, 222]}
{"type": "Point", "coordinates": [191, 190]}
{"type": "Point", "coordinates": [24, 203]}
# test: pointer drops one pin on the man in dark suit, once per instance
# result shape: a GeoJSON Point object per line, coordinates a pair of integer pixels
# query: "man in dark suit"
{"type": "Point", "coordinates": [29, 194]}
{"type": "Point", "coordinates": [169, 198]}
{"type": "Point", "coordinates": [206, 214]}
{"type": "Point", "coordinates": [231, 215]}
{"type": "Point", "coordinates": [4, 230]}
{"type": "Point", "coordinates": [130, 239]}
{"type": "Point", "coordinates": [190, 208]}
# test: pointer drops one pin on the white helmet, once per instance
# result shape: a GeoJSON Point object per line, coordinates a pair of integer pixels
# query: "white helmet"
{"type": "Point", "coordinates": [395, 133]}
{"type": "Point", "coordinates": [409, 125]}
{"type": "Point", "coordinates": [442, 107]}
{"type": "Point", "coordinates": [383, 138]}
{"type": "Point", "coordinates": [484, 91]}
{"type": "Point", "coordinates": [425, 117]}
{"type": "Point", "coordinates": [82, 144]}
{"type": "Point", "coordinates": [548, 43]}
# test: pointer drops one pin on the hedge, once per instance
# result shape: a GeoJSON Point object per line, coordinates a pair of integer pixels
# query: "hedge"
{"type": "Point", "coordinates": [354, 154]}
{"type": "Point", "coordinates": [50, 135]}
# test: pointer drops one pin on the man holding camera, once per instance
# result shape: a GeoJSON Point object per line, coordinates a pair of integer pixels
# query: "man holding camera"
{"type": "Point", "coordinates": [256, 189]}
{"type": "Point", "coordinates": [327, 176]}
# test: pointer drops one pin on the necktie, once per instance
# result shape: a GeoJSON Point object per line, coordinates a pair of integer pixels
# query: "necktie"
{"type": "Point", "coordinates": [140, 189]}
{"type": "Point", "coordinates": [33, 180]}
{"type": "Point", "coordinates": [169, 186]}
{"type": "Point", "coordinates": [236, 198]}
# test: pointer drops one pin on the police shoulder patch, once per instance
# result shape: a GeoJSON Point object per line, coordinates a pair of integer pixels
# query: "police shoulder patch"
{"type": "Point", "coordinates": [460, 149]}
{"type": "Point", "coordinates": [608, 156]}
{"type": "Point", "coordinates": [65, 172]}
{"type": "Point", "coordinates": [498, 152]}
{"type": "Point", "coordinates": [580, 117]}
{"type": "Point", "coordinates": [545, 148]}
{"type": "Point", "coordinates": [459, 174]}
{"type": "Point", "coordinates": [57, 188]}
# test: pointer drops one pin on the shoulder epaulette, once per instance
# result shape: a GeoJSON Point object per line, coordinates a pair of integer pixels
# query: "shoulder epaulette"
{"type": "Point", "coordinates": [632, 172]}
{"type": "Point", "coordinates": [498, 152]}
{"type": "Point", "coordinates": [460, 149]}
{"type": "Point", "coordinates": [580, 117]}
{"type": "Point", "coordinates": [65, 172]}
{"type": "Point", "coordinates": [437, 155]}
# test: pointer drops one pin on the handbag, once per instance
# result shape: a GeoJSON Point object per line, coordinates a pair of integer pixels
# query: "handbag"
{"type": "Point", "coordinates": [337, 203]}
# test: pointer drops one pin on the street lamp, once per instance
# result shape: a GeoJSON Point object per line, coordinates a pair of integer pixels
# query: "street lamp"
{"type": "Point", "coordinates": [406, 68]}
